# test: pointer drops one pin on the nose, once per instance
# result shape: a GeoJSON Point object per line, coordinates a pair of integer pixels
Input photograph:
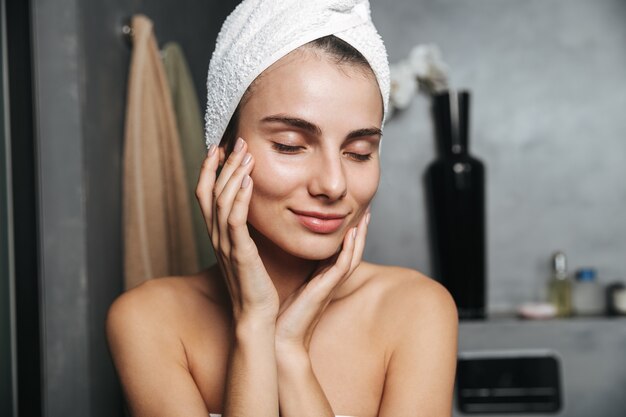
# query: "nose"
{"type": "Point", "coordinates": [328, 179]}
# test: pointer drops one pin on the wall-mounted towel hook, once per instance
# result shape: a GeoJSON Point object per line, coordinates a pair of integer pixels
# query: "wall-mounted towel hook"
{"type": "Point", "coordinates": [127, 32]}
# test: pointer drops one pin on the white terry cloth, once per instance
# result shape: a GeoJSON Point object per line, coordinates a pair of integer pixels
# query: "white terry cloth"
{"type": "Point", "coordinates": [260, 32]}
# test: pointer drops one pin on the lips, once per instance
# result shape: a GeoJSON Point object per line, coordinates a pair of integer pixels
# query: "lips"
{"type": "Point", "coordinates": [318, 222]}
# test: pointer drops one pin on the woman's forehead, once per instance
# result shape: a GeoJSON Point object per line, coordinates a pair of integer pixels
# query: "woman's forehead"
{"type": "Point", "coordinates": [308, 83]}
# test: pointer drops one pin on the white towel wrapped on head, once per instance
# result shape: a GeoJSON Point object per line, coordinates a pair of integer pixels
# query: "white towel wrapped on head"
{"type": "Point", "coordinates": [260, 32]}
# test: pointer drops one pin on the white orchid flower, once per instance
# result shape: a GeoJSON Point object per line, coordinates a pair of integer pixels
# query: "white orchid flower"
{"type": "Point", "coordinates": [427, 65]}
{"type": "Point", "coordinates": [403, 84]}
{"type": "Point", "coordinates": [423, 70]}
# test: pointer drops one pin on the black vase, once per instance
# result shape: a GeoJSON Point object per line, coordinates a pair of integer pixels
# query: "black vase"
{"type": "Point", "coordinates": [455, 188]}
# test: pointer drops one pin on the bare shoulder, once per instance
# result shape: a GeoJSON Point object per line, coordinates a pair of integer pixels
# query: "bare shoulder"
{"type": "Point", "coordinates": [150, 332]}
{"type": "Point", "coordinates": [161, 307]}
{"type": "Point", "coordinates": [152, 300]}
{"type": "Point", "coordinates": [408, 290]}
{"type": "Point", "coordinates": [408, 301]}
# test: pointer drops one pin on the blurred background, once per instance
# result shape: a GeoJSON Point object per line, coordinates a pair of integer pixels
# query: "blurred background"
{"type": "Point", "coordinates": [548, 84]}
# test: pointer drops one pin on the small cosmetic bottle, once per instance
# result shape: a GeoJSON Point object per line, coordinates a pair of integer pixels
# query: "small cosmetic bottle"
{"type": "Point", "coordinates": [587, 294]}
{"type": "Point", "coordinates": [560, 286]}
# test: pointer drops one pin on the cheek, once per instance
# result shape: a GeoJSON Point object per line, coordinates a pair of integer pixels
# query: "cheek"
{"type": "Point", "coordinates": [364, 184]}
{"type": "Point", "coordinates": [272, 173]}
{"type": "Point", "coordinates": [273, 182]}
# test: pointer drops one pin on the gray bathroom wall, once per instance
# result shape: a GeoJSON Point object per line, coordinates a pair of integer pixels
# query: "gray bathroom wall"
{"type": "Point", "coordinates": [81, 63]}
{"type": "Point", "coordinates": [548, 83]}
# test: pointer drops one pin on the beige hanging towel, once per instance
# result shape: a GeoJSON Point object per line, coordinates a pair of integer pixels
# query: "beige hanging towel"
{"type": "Point", "coordinates": [158, 233]}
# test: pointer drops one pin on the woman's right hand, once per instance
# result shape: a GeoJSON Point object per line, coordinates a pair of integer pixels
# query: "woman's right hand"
{"type": "Point", "coordinates": [224, 201]}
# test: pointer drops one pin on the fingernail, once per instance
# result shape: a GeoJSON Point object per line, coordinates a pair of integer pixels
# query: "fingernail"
{"type": "Point", "coordinates": [246, 160]}
{"type": "Point", "coordinates": [246, 181]}
{"type": "Point", "coordinates": [354, 233]}
{"type": "Point", "coordinates": [238, 145]}
{"type": "Point", "coordinates": [212, 149]}
{"type": "Point", "coordinates": [367, 218]}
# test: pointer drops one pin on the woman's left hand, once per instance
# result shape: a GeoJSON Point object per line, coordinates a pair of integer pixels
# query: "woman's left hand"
{"type": "Point", "coordinates": [301, 312]}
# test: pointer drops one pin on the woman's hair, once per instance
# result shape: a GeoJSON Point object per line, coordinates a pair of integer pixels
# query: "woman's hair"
{"type": "Point", "coordinates": [337, 49]}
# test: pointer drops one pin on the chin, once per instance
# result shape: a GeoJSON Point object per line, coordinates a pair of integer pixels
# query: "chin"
{"type": "Point", "coordinates": [308, 246]}
{"type": "Point", "coordinates": [314, 250]}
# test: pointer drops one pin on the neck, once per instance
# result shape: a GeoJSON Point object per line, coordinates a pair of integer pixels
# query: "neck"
{"type": "Point", "coordinates": [288, 272]}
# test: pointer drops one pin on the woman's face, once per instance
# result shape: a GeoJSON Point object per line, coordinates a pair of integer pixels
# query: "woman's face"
{"type": "Point", "coordinates": [313, 127]}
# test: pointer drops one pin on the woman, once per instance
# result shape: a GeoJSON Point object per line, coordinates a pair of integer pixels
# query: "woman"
{"type": "Point", "coordinates": [290, 322]}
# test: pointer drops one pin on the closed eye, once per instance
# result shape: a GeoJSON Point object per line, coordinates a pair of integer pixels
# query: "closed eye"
{"type": "Point", "coordinates": [291, 149]}
{"type": "Point", "coordinates": [359, 156]}
{"type": "Point", "coordinates": [281, 147]}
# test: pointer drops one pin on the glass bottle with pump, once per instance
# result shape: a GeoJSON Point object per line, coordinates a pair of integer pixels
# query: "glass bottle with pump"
{"type": "Point", "coordinates": [560, 286]}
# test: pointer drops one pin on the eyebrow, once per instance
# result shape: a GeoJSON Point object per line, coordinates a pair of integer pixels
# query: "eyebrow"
{"type": "Point", "coordinates": [368, 131]}
{"type": "Point", "coordinates": [315, 129]}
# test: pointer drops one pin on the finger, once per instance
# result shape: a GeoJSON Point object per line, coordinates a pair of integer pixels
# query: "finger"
{"type": "Point", "coordinates": [204, 187]}
{"type": "Point", "coordinates": [230, 166]}
{"type": "Point", "coordinates": [232, 163]}
{"type": "Point", "coordinates": [238, 218]}
{"type": "Point", "coordinates": [227, 198]}
{"type": "Point", "coordinates": [345, 256]}
{"type": "Point", "coordinates": [359, 242]}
